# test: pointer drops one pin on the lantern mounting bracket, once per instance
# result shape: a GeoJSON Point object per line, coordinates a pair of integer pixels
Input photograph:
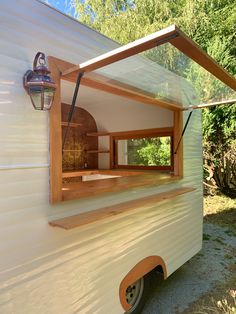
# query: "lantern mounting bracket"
{"type": "Point", "coordinates": [26, 78]}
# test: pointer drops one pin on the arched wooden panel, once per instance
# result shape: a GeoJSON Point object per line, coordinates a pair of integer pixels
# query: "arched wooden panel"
{"type": "Point", "coordinates": [77, 143]}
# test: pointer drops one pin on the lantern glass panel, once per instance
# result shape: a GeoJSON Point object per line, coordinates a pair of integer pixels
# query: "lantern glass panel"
{"type": "Point", "coordinates": [41, 97]}
{"type": "Point", "coordinates": [36, 96]}
{"type": "Point", "coordinates": [48, 97]}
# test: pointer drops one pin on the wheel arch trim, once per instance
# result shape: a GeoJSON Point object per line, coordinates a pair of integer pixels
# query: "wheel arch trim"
{"type": "Point", "coordinates": [139, 270]}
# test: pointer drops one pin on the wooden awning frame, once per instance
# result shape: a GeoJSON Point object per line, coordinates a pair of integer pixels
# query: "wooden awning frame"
{"type": "Point", "coordinates": [171, 34]}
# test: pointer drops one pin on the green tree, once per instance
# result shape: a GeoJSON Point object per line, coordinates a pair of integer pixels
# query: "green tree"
{"type": "Point", "coordinates": [154, 151]}
{"type": "Point", "coordinates": [219, 143]}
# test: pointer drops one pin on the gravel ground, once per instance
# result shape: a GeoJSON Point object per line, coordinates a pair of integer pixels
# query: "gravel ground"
{"type": "Point", "coordinates": [198, 276]}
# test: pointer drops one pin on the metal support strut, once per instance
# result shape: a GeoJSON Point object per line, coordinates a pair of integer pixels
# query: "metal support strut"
{"type": "Point", "coordinates": [184, 129]}
{"type": "Point", "coordinates": [72, 109]}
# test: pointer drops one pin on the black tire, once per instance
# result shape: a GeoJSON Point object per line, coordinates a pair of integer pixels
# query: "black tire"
{"type": "Point", "coordinates": [143, 295]}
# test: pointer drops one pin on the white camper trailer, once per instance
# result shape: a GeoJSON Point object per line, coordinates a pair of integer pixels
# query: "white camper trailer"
{"type": "Point", "coordinates": [85, 216]}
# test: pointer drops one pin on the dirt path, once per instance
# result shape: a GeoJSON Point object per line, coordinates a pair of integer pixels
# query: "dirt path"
{"type": "Point", "coordinates": [198, 276]}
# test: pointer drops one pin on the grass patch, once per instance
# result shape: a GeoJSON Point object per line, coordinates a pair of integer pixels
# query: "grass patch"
{"type": "Point", "coordinates": [221, 210]}
{"type": "Point", "coordinates": [230, 233]}
{"type": "Point", "coordinates": [206, 237]}
{"type": "Point", "coordinates": [227, 256]}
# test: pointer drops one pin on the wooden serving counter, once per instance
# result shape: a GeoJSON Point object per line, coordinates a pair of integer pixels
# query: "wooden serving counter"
{"type": "Point", "coordinates": [126, 180]}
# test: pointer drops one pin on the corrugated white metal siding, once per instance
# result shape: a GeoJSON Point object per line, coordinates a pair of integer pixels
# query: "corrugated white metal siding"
{"type": "Point", "coordinates": [47, 270]}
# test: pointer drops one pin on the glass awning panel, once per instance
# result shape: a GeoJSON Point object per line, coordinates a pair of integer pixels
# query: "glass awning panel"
{"type": "Point", "coordinates": [207, 87]}
{"type": "Point", "coordinates": [166, 73]}
{"type": "Point", "coordinates": [165, 68]}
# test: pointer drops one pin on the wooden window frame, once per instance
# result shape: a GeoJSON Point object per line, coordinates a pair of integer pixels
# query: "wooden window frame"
{"type": "Point", "coordinates": [57, 66]}
{"type": "Point", "coordinates": [137, 134]}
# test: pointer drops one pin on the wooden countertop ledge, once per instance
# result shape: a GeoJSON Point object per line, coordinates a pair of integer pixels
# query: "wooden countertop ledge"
{"type": "Point", "coordinates": [71, 222]}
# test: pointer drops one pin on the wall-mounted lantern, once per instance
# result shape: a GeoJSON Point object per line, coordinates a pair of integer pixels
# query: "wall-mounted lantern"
{"type": "Point", "coordinates": [39, 84]}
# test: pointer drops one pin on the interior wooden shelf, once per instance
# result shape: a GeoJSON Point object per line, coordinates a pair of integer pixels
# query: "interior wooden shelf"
{"type": "Point", "coordinates": [98, 134]}
{"type": "Point", "coordinates": [98, 151]}
{"type": "Point", "coordinates": [86, 172]}
{"type": "Point", "coordinates": [88, 151]}
{"type": "Point", "coordinates": [83, 172]}
{"type": "Point", "coordinates": [72, 124]}
{"type": "Point", "coordinates": [72, 150]}
{"type": "Point", "coordinates": [71, 222]}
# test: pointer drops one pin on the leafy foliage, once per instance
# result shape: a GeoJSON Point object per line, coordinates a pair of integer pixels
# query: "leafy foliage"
{"type": "Point", "coordinates": [156, 152]}
{"type": "Point", "coordinates": [149, 151]}
{"type": "Point", "coordinates": [219, 139]}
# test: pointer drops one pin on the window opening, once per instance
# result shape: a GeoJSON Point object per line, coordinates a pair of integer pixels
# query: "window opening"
{"type": "Point", "coordinates": [147, 152]}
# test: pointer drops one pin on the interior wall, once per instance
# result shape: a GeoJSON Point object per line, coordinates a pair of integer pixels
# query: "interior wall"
{"type": "Point", "coordinates": [77, 144]}
{"type": "Point", "coordinates": [114, 114]}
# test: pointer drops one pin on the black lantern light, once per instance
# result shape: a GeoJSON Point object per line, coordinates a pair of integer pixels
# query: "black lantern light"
{"type": "Point", "coordinates": [39, 84]}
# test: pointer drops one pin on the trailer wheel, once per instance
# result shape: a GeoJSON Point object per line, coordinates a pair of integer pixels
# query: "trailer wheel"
{"type": "Point", "coordinates": [136, 294]}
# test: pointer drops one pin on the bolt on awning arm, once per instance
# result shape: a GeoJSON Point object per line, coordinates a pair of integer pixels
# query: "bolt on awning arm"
{"type": "Point", "coordinates": [202, 106]}
{"type": "Point", "coordinates": [184, 129]}
{"type": "Point", "coordinates": [217, 103]}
